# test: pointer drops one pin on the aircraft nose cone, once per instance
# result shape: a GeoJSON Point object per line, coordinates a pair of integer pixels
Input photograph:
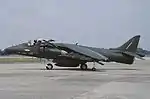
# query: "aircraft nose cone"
{"type": "Point", "coordinates": [14, 50]}
{"type": "Point", "coordinates": [10, 50]}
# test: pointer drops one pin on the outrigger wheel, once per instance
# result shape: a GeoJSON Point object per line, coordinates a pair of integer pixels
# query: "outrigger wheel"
{"type": "Point", "coordinates": [83, 66]}
{"type": "Point", "coordinates": [93, 69]}
{"type": "Point", "coordinates": [49, 66]}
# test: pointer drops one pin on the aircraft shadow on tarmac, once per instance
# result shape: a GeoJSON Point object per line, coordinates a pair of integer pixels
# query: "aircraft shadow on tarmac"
{"type": "Point", "coordinates": [98, 70]}
{"type": "Point", "coordinates": [78, 69]}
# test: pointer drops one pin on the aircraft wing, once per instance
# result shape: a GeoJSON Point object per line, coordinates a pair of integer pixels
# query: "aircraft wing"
{"type": "Point", "coordinates": [86, 52]}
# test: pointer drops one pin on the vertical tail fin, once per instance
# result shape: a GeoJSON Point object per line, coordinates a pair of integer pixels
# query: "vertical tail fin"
{"type": "Point", "coordinates": [131, 45]}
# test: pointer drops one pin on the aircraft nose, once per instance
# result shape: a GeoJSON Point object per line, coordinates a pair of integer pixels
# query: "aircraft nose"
{"type": "Point", "coordinates": [10, 50]}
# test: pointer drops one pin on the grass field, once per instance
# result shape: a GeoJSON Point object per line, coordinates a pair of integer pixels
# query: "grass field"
{"type": "Point", "coordinates": [18, 60]}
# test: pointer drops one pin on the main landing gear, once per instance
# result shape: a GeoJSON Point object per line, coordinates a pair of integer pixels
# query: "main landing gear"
{"type": "Point", "coordinates": [49, 66]}
{"type": "Point", "coordinates": [85, 67]}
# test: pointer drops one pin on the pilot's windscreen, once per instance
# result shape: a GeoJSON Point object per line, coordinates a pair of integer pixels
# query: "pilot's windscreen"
{"type": "Point", "coordinates": [31, 43]}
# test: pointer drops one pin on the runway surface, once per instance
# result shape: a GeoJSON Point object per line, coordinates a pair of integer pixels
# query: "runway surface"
{"type": "Point", "coordinates": [111, 81]}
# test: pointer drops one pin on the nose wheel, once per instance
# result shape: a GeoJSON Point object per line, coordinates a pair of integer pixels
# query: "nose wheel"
{"type": "Point", "coordinates": [49, 66]}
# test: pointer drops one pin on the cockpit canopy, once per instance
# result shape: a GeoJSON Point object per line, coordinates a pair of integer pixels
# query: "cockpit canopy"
{"type": "Point", "coordinates": [41, 42]}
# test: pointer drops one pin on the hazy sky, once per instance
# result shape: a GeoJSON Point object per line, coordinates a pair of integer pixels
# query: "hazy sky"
{"type": "Point", "coordinates": [100, 23]}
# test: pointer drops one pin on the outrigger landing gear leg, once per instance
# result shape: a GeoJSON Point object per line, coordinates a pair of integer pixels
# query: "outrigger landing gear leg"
{"type": "Point", "coordinates": [49, 66]}
{"type": "Point", "coordinates": [83, 66]}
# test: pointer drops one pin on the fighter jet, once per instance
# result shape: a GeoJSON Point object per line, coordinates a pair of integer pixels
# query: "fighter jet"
{"type": "Point", "coordinates": [74, 55]}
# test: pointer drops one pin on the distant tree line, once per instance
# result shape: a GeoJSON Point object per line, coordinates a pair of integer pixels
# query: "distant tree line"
{"type": "Point", "coordinates": [1, 52]}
